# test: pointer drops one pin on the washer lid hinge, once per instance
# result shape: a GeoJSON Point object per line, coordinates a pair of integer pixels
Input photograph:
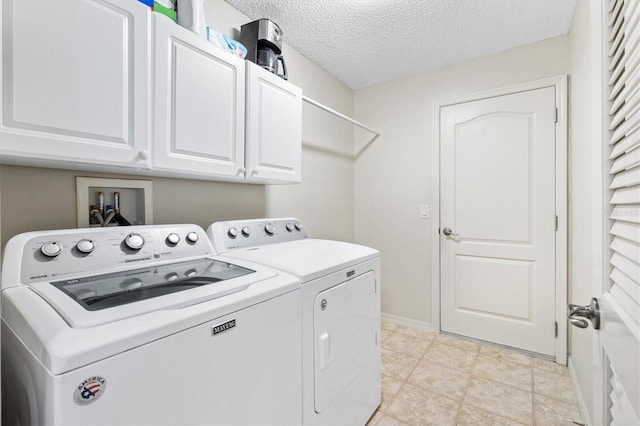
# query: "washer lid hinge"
{"type": "Point", "coordinates": [556, 328]}
{"type": "Point", "coordinates": [556, 222]}
{"type": "Point", "coordinates": [556, 116]}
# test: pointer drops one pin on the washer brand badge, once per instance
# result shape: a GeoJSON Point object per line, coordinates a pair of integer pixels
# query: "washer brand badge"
{"type": "Point", "coordinates": [223, 327]}
{"type": "Point", "coordinates": [90, 390]}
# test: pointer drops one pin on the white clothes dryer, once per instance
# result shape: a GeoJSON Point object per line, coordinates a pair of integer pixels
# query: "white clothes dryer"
{"type": "Point", "coordinates": [341, 372]}
{"type": "Point", "coordinates": [143, 325]}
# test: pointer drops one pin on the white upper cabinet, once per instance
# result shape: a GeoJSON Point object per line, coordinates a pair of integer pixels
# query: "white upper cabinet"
{"type": "Point", "coordinates": [109, 85]}
{"type": "Point", "coordinates": [199, 106]}
{"type": "Point", "coordinates": [273, 127]}
{"type": "Point", "coordinates": [74, 78]}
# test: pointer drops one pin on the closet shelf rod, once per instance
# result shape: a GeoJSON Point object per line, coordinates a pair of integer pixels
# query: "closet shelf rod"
{"type": "Point", "coordinates": [338, 114]}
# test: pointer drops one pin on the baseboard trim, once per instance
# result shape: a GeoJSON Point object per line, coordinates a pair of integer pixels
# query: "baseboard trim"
{"type": "Point", "coordinates": [407, 322]}
{"type": "Point", "coordinates": [582, 406]}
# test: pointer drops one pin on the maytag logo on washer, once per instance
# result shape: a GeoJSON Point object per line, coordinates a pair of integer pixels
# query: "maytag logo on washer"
{"type": "Point", "coordinates": [90, 390]}
{"type": "Point", "coordinates": [223, 327]}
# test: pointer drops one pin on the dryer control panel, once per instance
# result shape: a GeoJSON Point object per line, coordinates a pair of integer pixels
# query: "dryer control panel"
{"type": "Point", "coordinates": [234, 234]}
{"type": "Point", "coordinates": [52, 255]}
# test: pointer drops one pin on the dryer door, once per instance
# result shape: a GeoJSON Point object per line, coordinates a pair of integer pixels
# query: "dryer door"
{"type": "Point", "coordinates": [345, 325]}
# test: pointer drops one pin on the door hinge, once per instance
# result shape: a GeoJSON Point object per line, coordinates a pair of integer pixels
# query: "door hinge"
{"type": "Point", "coordinates": [556, 222]}
{"type": "Point", "coordinates": [556, 328]}
{"type": "Point", "coordinates": [555, 118]}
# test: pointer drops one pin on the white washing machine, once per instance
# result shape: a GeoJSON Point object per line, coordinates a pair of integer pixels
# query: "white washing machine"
{"type": "Point", "coordinates": [142, 325]}
{"type": "Point", "coordinates": [340, 312]}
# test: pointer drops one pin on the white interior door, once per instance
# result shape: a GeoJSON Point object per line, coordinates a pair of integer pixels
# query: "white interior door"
{"type": "Point", "coordinates": [497, 190]}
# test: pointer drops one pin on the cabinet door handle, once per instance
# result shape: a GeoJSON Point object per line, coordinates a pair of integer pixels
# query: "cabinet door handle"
{"type": "Point", "coordinates": [241, 171]}
{"type": "Point", "coordinates": [143, 155]}
{"type": "Point", "coordinates": [254, 172]}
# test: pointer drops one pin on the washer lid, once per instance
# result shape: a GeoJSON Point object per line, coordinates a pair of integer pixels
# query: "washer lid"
{"type": "Point", "coordinates": [99, 299]}
{"type": "Point", "coordinates": [307, 259]}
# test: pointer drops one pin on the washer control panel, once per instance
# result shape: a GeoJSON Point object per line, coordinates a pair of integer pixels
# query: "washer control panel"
{"type": "Point", "coordinates": [233, 234]}
{"type": "Point", "coordinates": [51, 255]}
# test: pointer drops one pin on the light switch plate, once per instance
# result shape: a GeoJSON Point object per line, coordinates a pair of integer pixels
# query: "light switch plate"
{"type": "Point", "coordinates": [424, 211]}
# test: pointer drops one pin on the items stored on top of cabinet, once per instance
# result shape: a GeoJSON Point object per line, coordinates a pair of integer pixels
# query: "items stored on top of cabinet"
{"type": "Point", "coordinates": [263, 40]}
{"type": "Point", "coordinates": [94, 110]}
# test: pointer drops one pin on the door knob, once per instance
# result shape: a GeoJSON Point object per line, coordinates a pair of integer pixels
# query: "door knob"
{"type": "Point", "coordinates": [575, 313]}
{"type": "Point", "coordinates": [447, 231]}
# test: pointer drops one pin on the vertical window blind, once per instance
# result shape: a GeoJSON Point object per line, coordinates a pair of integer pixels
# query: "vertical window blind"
{"type": "Point", "coordinates": [624, 154]}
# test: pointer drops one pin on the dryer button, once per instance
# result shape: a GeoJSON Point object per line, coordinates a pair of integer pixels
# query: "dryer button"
{"type": "Point", "coordinates": [232, 232]}
{"type": "Point", "coordinates": [270, 228]}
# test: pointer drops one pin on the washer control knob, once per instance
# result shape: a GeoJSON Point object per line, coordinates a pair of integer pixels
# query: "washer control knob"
{"type": "Point", "coordinates": [173, 238]}
{"type": "Point", "coordinates": [270, 229]}
{"type": "Point", "coordinates": [232, 232]}
{"type": "Point", "coordinates": [192, 237]}
{"type": "Point", "coordinates": [298, 226]}
{"type": "Point", "coordinates": [51, 249]}
{"type": "Point", "coordinates": [191, 272]}
{"type": "Point", "coordinates": [134, 241]}
{"type": "Point", "coordinates": [85, 246]}
{"type": "Point", "coordinates": [246, 231]}
{"type": "Point", "coordinates": [289, 227]}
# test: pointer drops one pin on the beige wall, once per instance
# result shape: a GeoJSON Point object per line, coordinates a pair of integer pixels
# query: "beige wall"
{"type": "Point", "coordinates": [37, 198]}
{"type": "Point", "coordinates": [586, 201]}
{"type": "Point", "coordinates": [393, 176]}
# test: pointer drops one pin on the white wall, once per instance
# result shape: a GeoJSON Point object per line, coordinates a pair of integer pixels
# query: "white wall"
{"type": "Point", "coordinates": [324, 199]}
{"type": "Point", "coordinates": [393, 176]}
{"type": "Point", "coordinates": [586, 201]}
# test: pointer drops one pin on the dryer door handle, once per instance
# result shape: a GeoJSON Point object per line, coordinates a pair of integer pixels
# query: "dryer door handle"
{"type": "Point", "coordinates": [324, 349]}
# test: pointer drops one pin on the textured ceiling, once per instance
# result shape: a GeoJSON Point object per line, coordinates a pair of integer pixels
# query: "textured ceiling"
{"type": "Point", "coordinates": [368, 42]}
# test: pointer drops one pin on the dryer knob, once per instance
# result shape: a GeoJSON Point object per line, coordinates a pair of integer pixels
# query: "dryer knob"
{"type": "Point", "coordinates": [289, 227]}
{"type": "Point", "coordinates": [192, 237]}
{"type": "Point", "coordinates": [246, 231]}
{"type": "Point", "coordinates": [51, 249]}
{"type": "Point", "coordinates": [173, 238]}
{"type": "Point", "coordinates": [270, 229]}
{"type": "Point", "coordinates": [134, 241]}
{"type": "Point", "coordinates": [298, 226]}
{"type": "Point", "coordinates": [232, 232]}
{"type": "Point", "coordinates": [85, 246]}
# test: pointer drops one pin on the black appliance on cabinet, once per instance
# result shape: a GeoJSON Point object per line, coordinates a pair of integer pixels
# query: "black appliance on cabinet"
{"type": "Point", "coordinates": [263, 40]}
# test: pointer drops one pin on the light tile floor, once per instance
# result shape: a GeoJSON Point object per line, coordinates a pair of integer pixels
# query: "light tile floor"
{"type": "Point", "coordinates": [431, 379]}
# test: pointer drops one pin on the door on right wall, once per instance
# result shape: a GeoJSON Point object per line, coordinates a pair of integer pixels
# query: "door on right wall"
{"type": "Point", "coordinates": [497, 220]}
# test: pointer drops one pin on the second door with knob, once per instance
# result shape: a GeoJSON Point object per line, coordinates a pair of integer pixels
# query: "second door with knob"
{"type": "Point", "coordinates": [497, 237]}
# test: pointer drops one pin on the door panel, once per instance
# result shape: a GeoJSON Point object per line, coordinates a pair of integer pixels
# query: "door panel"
{"type": "Point", "coordinates": [498, 197]}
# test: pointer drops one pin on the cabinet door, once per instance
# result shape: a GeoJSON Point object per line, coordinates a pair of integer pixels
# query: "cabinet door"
{"type": "Point", "coordinates": [274, 127]}
{"type": "Point", "coordinates": [199, 106]}
{"type": "Point", "coordinates": [73, 77]}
